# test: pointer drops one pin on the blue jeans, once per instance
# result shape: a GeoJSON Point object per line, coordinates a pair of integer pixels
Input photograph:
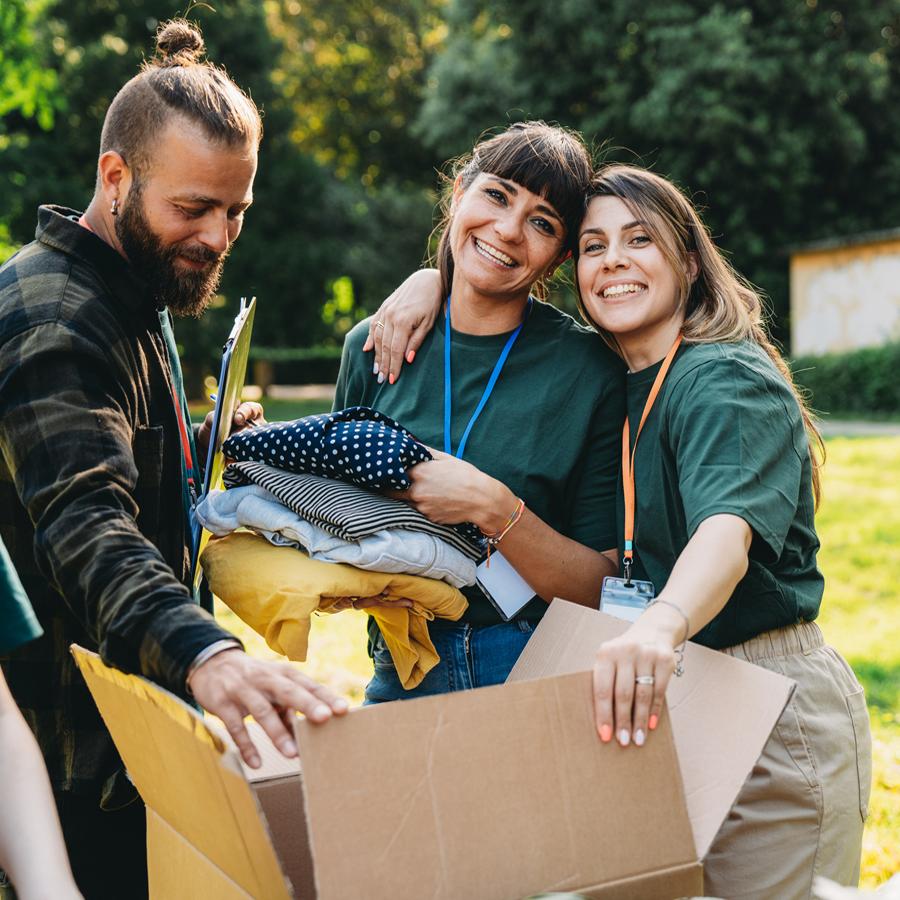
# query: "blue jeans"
{"type": "Point", "coordinates": [471, 656]}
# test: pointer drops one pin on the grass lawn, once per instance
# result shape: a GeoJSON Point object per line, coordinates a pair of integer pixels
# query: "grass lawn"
{"type": "Point", "coordinates": [859, 525]}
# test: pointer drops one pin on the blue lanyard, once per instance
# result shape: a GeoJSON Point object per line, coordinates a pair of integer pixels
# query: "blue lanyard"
{"type": "Point", "coordinates": [492, 381]}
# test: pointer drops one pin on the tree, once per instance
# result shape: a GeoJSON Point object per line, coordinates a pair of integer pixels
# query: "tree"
{"type": "Point", "coordinates": [781, 116]}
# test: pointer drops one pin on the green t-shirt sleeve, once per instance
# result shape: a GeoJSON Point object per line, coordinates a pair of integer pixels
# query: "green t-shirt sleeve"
{"type": "Point", "coordinates": [355, 372]}
{"type": "Point", "coordinates": [18, 623]}
{"type": "Point", "coordinates": [734, 436]}
{"type": "Point", "coordinates": [593, 504]}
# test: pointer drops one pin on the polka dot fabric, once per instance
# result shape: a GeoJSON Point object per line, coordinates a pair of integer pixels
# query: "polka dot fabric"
{"type": "Point", "coordinates": [358, 444]}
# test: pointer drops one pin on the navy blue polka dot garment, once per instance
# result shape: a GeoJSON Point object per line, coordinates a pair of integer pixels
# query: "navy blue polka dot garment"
{"type": "Point", "coordinates": [357, 444]}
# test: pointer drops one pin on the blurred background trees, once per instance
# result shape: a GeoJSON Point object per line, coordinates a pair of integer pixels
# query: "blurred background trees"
{"type": "Point", "coordinates": [780, 116]}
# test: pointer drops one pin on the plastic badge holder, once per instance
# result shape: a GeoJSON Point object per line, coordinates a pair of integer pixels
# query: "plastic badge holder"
{"type": "Point", "coordinates": [625, 599]}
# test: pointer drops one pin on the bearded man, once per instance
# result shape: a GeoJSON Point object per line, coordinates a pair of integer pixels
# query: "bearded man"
{"type": "Point", "coordinates": [94, 475]}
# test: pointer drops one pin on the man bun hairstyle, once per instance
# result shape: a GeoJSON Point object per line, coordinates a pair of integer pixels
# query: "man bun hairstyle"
{"type": "Point", "coordinates": [177, 80]}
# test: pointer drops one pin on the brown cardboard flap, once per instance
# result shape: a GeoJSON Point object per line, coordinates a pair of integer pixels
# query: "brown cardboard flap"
{"type": "Point", "coordinates": [187, 775]}
{"type": "Point", "coordinates": [723, 709]}
{"type": "Point", "coordinates": [493, 793]}
{"type": "Point", "coordinates": [179, 871]}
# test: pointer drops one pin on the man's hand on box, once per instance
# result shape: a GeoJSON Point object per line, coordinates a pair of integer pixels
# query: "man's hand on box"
{"type": "Point", "coordinates": [233, 685]}
{"type": "Point", "coordinates": [247, 415]}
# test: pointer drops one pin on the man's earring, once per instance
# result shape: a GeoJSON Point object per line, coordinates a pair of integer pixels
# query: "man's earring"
{"type": "Point", "coordinates": [114, 209]}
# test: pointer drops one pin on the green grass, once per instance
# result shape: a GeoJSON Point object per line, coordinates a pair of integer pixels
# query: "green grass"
{"type": "Point", "coordinates": [859, 525]}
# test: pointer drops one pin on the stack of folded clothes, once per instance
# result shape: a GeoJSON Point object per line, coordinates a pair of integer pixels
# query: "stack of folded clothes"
{"type": "Point", "coordinates": [307, 490]}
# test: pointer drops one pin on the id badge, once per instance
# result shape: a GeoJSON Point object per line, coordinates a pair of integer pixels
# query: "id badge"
{"type": "Point", "coordinates": [625, 599]}
{"type": "Point", "coordinates": [507, 590]}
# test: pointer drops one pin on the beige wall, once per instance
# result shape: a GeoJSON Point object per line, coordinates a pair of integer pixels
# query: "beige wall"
{"type": "Point", "coordinates": [845, 298]}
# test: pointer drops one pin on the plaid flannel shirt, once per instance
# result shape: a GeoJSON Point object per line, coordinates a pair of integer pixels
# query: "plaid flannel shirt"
{"type": "Point", "coordinates": [91, 492]}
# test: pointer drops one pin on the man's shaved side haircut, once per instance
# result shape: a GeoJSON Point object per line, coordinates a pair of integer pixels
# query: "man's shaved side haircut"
{"type": "Point", "coordinates": [177, 81]}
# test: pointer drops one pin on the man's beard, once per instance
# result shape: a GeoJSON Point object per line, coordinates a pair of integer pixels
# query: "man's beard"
{"type": "Point", "coordinates": [183, 291]}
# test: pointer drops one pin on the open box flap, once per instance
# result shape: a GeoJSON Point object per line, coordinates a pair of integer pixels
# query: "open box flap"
{"type": "Point", "coordinates": [493, 793]}
{"type": "Point", "coordinates": [187, 775]}
{"type": "Point", "coordinates": [722, 709]}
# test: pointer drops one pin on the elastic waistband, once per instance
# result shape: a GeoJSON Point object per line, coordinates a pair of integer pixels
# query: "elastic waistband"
{"type": "Point", "coordinates": [800, 638]}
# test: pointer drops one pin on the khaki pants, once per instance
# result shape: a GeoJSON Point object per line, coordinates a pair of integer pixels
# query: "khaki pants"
{"type": "Point", "coordinates": [801, 812]}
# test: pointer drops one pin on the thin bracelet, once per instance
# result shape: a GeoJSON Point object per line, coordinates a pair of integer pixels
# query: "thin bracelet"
{"type": "Point", "coordinates": [497, 536]}
{"type": "Point", "coordinates": [679, 650]}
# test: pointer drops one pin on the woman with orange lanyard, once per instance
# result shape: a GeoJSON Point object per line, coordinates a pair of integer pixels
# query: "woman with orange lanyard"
{"type": "Point", "coordinates": [719, 480]}
{"type": "Point", "coordinates": [716, 518]}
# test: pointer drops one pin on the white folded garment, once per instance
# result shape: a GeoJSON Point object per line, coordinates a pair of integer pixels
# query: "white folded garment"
{"type": "Point", "coordinates": [391, 550]}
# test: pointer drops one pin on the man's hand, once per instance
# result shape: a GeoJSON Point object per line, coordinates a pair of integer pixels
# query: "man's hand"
{"type": "Point", "coordinates": [233, 685]}
{"type": "Point", "coordinates": [247, 415]}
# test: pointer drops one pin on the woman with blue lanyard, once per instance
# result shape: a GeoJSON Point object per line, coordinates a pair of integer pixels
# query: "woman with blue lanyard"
{"type": "Point", "coordinates": [719, 482]}
{"type": "Point", "coordinates": [522, 405]}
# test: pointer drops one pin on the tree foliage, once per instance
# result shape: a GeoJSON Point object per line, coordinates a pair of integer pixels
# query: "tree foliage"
{"type": "Point", "coordinates": [781, 116]}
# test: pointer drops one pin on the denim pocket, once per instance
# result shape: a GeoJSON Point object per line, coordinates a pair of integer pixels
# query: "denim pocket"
{"type": "Point", "coordinates": [859, 717]}
{"type": "Point", "coordinates": [525, 626]}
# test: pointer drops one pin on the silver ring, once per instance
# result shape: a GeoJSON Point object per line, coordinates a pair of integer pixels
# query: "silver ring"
{"type": "Point", "coordinates": [379, 324]}
{"type": "Point", "coordinates": [645, 679]}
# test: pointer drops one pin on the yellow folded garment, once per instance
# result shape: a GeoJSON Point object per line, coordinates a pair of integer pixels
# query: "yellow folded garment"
{"type": "Point", "coordinates": [276, 589]}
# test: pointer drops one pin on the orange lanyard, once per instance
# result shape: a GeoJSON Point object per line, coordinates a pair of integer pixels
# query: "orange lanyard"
{"type": "Point", "coordinates": [628, 457]}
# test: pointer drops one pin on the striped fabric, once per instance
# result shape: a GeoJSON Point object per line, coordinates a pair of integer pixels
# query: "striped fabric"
{"type": "Point", "coordinates": [345, 510]}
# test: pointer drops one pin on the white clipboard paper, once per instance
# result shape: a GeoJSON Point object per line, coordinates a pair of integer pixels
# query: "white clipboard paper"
{"type": "Point", "coordinates": [235, 354]}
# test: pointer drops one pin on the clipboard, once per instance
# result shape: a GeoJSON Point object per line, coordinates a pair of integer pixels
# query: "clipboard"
{"type": "Point", "coordinates": [235, 354]}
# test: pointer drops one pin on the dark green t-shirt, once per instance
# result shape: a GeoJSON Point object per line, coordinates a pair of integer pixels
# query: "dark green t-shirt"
{"type": "Point", "coordinates": [18, 623]}
{"type": "Point", "coordinates": [726, 436]}
{"type": "Point", "coordinates": [550, 431]}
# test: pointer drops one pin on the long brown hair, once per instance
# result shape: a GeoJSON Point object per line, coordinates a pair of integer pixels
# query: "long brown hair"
{"type": "Point", "coordinates": [547, 160]}
{"type": "Point", "coordinates": [719, 305]}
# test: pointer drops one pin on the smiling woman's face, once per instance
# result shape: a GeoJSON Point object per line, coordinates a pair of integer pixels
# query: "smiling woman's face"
{"type": "Point", "coordinates": [503, 237]}
{"type": "Point", "coordinates": [625, 281]}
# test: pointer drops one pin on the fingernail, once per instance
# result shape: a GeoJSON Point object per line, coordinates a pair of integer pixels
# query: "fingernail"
{"type": "Point", "coordinates": [624, 737]}
{"type": "Point", "coordinates": [605, 733]}
{"type": "Point", "coordinates": [381, 377]}
{"type": "Point", "coordinates": [255, 761]}
{"type": "Point", "coordinates": [639, 737]}
{"type": "Point", "coordinates": [288, 747]}
{"type": "Point", "coordinates": [341, 705]}
{"type": "Point", "coordinates": [391, 378]}
{"type": "Point", "coordinates": [321, 712]}
{"type": "Point", "coordinates": [410, 356]}
{"type": "Point", "coordinates": [375, 369]}
{"type": "Point", "coordinates": [654, 721]}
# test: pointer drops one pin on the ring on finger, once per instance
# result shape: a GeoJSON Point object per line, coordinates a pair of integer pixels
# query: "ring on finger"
{"type": "Point", "coordinates": [644, 679]}
{"type": "Point", "coordinates": [379, 324]}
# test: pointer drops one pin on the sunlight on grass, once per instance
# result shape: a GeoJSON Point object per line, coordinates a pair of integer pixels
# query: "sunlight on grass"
{"type": "Point", "coordinates": [859, 524]}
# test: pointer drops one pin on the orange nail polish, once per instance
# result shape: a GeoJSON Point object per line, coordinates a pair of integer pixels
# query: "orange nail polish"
{"type": "Point", "coordinates": [391, 378]}
{"type": "Point", "coordinates": [605, 733]}
{"type": "Point", "coordinates": [410, 356]}
{"type": "Point", "coordinates": [654, 721]}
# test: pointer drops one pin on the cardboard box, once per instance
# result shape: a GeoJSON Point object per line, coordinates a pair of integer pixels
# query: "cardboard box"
{"type": "Point", "coordinates": [496, 793]}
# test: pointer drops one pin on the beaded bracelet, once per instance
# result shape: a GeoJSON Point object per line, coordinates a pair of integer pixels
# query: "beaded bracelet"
{"type": "Point", "coordinates": [497, 536]}
{"type": "Point", "coordinates": [679, 650]}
